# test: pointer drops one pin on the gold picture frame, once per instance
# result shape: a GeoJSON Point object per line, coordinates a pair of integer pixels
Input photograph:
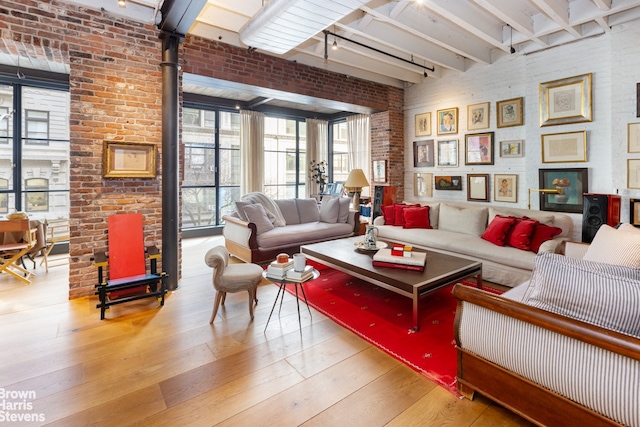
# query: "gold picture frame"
{"type": "Point", "coordinates": [423, 184]}
{"type": "Point", "coordinates": [633, 173]}
{"type": "Point", "coordinates": [633, 138]}
{"type": "Point", "coordinates": [566, 101]}
{"type": "Point", "coordinates": [128, 159]}
{"type": "Point", "coordinates": [423, 124]}
{"type": "Point", "coordinates": [447, 121]}
{"type": "Point", "coordinates": [478, 116]}
{"type": "Point", "coordinates": [564, 147]}
{"type": "Point", "coordinates": [505, 188]}
{"type": "Point", "coordinates": [510, 112]}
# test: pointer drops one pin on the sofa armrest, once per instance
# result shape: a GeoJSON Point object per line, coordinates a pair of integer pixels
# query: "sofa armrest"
{"type": "Point", "coordinates": [606, 339]}
{"type": "Point", "coordinates": [241, 232]}
{"type": "Point", "coordinates": [575, 249]}
{"type": "Point", "coordinates": [379, 220]}
{"type": "Point", "coordinates": [354, 220]}
{"type": "Point", "coordinates": [554, 246]}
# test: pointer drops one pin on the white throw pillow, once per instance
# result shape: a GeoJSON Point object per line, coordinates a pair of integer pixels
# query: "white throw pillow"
{"type": "Point", "coordinates": [258, 215]}
{"type": "Point", "coordinates": [467, 220]}
{"type": "Point", "coordinates": [345, 204]}
{"type": "Point", "coordinates": [329, 210]}
{"type": "Point", "coordinates": [621, 246]}
{"type": "Point", "coordinates": [308, 210]}
{"type": "Point", "coordinates": [598, 293]}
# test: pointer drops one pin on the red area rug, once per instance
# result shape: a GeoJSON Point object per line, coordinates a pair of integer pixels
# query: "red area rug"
{"type": "Point", "coordinates": [384, 319]}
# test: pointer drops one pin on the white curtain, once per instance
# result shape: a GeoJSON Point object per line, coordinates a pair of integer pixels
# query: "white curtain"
{"type": "Point", "coordinates": [251, 151]}
{"type": "Point", "coordinates": [317, 142]}
{"type": "Point", "coordinates": [359, 146]}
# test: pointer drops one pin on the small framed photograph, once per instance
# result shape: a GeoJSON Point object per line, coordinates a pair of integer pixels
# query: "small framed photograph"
{"type": "Point", "coordinates": [634, 212]}
{"type": "Point", "coordinates": [505, 188]}
{"type": "Point", "coordinates": [565, 101]}
{"type": "Point", "coordinates": [128, 160]}
{"type": "Point", "coordinates": [447, 121]}
{"type": "Point", "coordinates": [423, 124]}
{"type": "Point", "coordinates": [479, 149]}
{"type": "Point", "coordinates": [380, 171]}
{"type": "Point", "coordinates": [422, 184]}
{"type": "Point", "coordinates": [633, 173]}
{"type": "Point", "coordinates": [478, 187]}
{"type": "Point", "coordinates": [510, 112]}
{"type": "Point", "coordinates": [423, 154]}
{"type": "Point", "coordinates": [513, 148]}
{"type": "Point", "coordinates": [571, 183]}
{"type": "Point", "coordinates": [448, 153]}
{"type": "Point", "coordinates": [633, 138]}
{"type": "Point", "coordinates": [478, 116]}
{"type": "Point", "coordinates": [448, 182]}
{"type": "Point", "coordinates": [564, 147]}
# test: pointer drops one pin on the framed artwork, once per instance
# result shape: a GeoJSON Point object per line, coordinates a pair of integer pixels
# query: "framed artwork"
{"type": "Point", "coordinates": [565, 101]}
{"type": "Point", "coordinates": [633, 173]}
{"type": "Point", "coordinates": [633, 138]}
{"type": "Point", "coordinates": [513, 148]}
{"type": "Point", "coordinates": [448, 153]}
{"type": "Point", "coordinates": [564, 147]}
{"type": "Point", "coordinates": [423, 124]}
{"type": "Point", "coordinates": [422, 186]}
{"type": "Point", "coordinates": [447, 121]}
{"type": "Point", "coordinates": [478, 116]}
{"type": "Point", "coordinates": [572, 182]}
{"type": "Point", "coordinates": [634, 212]}
{"type": "Point", "coordinates": [128, 160]}
{"type": "Point", "coordinates": [479, 149]}
{"type": "Point", "coordinates": [380, 171]}
{"type": "Point", "coordinates": [510, 112]}
{"type": "Point", "coordinates": [637, 99]}
{"type": "Point", "coordinates": [505, 188]}
{"type": "Point", "coordinates": [478, 187]}
{"type": "Point", "coordinates": [448, 182]}
{"type": "Point", "coordinates": [423, 154]}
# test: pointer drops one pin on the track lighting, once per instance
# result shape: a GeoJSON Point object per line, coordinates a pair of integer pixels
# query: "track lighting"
{"type": "Point", "coordinates": [512, 50]}
{"type": "Point", "coordinates": [335, 45]}
{"type": "Point", "coordinates": [122, 3]}
{"type": "Point", "coordinates": [425, 74]}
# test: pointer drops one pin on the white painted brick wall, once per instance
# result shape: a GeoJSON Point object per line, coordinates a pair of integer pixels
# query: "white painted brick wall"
{"type": "Point", "coordinates": [614, 61]}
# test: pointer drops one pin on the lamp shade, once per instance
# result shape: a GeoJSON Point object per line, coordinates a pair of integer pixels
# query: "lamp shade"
{"type": "Point", "coordinates": [356, 179]}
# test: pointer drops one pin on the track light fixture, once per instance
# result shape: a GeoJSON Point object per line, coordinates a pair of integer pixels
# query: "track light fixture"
{"type": "Point", "coordinates": [425, 74]}
{"type": "Point", "coordinates": [335, 45]}
{"type": "Point", "coordinates": [122, 3]}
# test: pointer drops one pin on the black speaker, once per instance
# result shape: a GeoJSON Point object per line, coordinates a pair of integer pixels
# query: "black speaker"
{"type": "Point", "coordinates": [382, 195]}
{"type": "Point", "coordinates": [594, 214]}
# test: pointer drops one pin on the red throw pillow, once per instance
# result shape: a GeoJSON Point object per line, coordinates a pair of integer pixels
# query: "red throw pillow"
{"type": "Point", "coordinates": [399, 220]}
{"type": "Point", "coordinates": [496, 232]}
{"type": "Point", "coordinates": [389, 214]}
{"type": "Point", "coordinates": [417, 217]}
{"type": "Point", "coordinates": [542, 234]}
{"type": "Point", "coordinates": [521, 233]}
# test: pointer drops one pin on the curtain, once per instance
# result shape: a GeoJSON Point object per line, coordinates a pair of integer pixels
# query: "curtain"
{"type": "Point", "coordinates": [317, 142]}
{"type": "Point", "coordinates": [251, 151]}
{"type": "Point", "coordinates": [359, 146]}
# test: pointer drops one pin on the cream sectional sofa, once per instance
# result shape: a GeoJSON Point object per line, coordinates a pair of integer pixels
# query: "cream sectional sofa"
{"type": "Point", "coordinates": [287, 224]}
{"type": "Point", "coordinates": [562, 349]}
{"type": "Point", "coordinates": [457, 228]}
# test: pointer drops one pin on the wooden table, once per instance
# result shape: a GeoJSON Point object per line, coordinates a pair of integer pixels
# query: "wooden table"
{"type": "Point", "coordinates": [441, 270]}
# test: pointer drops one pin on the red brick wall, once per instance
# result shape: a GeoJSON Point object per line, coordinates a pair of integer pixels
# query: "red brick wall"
{"type": "Point", "coordinates": [116, 90]}
{"type": "Point", "coordinates": [219, 60]}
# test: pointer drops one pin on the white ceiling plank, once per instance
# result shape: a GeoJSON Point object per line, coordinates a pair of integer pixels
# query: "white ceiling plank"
{"type": "Point", "coordinates": [603, 4]}
{"type": "Point", "coordinates": [437, 32]}
{"type": "Point", "coordinates": [558, 12]}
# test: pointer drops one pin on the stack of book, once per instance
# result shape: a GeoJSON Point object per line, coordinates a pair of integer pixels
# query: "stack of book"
{"type": "Point", "coordinates": [278, 270]}
{"type": "Point", "coordinates": [300, 276]}
{"type": "Point", "coordinates": [407, 260]}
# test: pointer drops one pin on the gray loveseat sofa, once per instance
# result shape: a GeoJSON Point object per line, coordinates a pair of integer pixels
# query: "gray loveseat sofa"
{"type": "Point", "coordinates": [286, 224]}
{"type": "Point", "coordinates": [457, 230]}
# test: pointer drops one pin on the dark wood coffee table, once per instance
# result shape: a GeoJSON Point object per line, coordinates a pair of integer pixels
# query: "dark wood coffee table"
{"type": "Point", "coordinates": [441, 270]}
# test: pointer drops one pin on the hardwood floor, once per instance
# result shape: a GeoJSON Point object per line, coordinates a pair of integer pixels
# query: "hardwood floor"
{"type": "Point", "coordinates": [150, 366]}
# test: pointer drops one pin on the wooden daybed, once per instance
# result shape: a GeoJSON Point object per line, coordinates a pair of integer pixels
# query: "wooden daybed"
{"type": "Point", "coordinates": [524, 397]}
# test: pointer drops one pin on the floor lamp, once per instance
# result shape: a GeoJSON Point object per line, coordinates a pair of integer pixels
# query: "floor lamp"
{"type": "Point", "coordinates": [354, 184]}
{"type": "Point", "coordinates": [543, 191]}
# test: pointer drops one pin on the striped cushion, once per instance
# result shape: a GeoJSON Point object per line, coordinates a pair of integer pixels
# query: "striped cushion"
{"type": "Point", "coordinates": [598, 379]}
{"type": "Point", "coordinates": [598, 293]}
{"type": "Point", "coordinates": [616, 246]}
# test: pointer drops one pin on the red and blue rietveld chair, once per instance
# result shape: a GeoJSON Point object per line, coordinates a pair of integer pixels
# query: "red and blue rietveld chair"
{"type": "Point", "coordinates": [128, 279]}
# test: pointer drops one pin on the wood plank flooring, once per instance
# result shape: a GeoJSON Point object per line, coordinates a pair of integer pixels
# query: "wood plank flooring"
{"type": "Point", "coordinates": [150, 366]}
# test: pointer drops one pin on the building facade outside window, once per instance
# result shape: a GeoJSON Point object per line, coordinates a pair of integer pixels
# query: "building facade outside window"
{"type": "Point", "coordinates": [285, 158]}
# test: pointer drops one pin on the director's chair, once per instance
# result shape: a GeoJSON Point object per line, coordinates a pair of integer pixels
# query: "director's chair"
{"type": "Point", "coordinates": [17, 240]}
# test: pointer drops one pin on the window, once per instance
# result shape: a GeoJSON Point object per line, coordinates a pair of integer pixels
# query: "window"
{"type": "Point", "coordinates": [4, 124]}
{"type": "Point", "coordinates": [340, 155]}
{"type": "Point", "coordinates": [4, 196]}
{"type": "Point", "coordinates": [37, 201]}
{"type": "Point", "coordinates": [285, 146]}
{"type": "Point", "coordinates": [211, 166]}
{"type": "Point", "coordinates": [37, 127]}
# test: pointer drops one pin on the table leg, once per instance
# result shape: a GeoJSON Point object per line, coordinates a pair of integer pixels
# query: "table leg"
{"type": "Point", "coordinates": [305, 299]}
{"type": "Point", "coordinates": [416, 311]}
{"type": "Point", "coordinates": [280, 289]}
{"type": "Point", "coordinates": [479, 280]}
{"type": "Point", "coordinates": [298, 303]}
